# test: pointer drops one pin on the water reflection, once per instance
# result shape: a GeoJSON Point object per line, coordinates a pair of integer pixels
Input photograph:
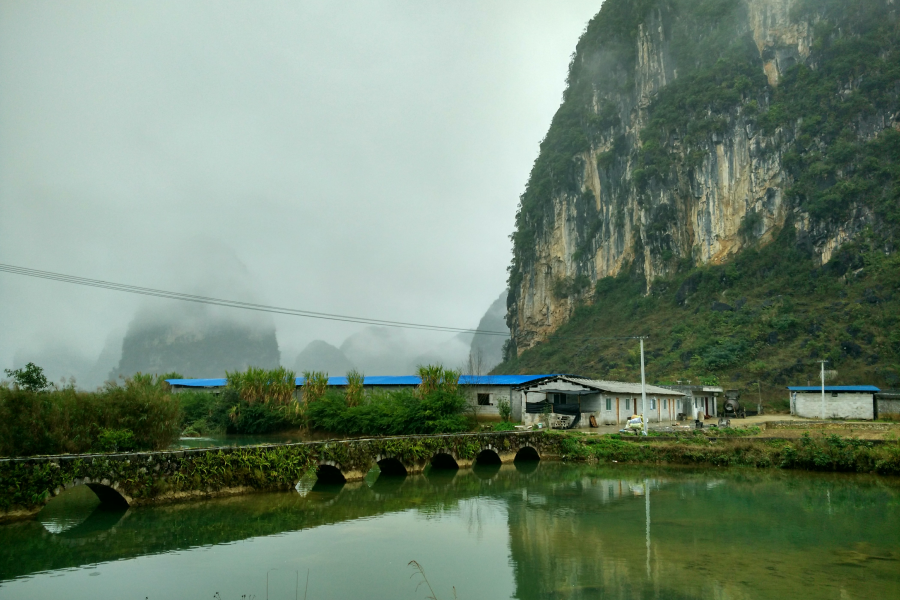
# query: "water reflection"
{"type": "Point", "coordinates": [569, 531]}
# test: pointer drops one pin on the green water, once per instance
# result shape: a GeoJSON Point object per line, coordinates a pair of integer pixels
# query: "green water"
{"type": "Point", "coordinates": [532, 530]}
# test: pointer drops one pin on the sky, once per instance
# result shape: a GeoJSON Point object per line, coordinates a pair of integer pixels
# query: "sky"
{"type": "Point", "coordinates": [358, 157]}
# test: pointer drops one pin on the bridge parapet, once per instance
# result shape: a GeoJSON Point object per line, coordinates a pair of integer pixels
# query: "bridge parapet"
{"type": "Point", "coordinates": [27, 484]}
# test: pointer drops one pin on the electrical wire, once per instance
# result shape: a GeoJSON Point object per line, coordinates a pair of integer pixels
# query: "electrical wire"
{"type": "Point", "coordinates": [132, 289]}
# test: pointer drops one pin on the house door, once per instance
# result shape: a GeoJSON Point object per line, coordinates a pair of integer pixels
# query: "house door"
{"type": "Point", "coordinates": [706, 410]}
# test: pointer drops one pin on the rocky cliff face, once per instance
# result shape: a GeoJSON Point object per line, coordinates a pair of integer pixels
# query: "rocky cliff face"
{"type": "Point", "coordinates": [677, 145]}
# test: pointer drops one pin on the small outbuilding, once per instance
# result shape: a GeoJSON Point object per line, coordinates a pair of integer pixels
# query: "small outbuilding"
{"type": "Point", "coordinates": [841, 401]}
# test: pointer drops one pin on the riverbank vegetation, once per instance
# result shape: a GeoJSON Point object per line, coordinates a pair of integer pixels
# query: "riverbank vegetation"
{"type": "Point", "coordinates": [812, 453]}
{"type": "Point", "coordinates": [139, 413]}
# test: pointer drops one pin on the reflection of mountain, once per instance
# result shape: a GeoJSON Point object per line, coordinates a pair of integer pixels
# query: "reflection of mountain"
{"type": "Point", "coordinates": [322, 356]}
{"type": "Point", "coordinates": [197, 348]}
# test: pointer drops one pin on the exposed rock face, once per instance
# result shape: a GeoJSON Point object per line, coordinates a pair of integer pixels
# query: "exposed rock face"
{"type": "Point", "coordinates": [724, 191]}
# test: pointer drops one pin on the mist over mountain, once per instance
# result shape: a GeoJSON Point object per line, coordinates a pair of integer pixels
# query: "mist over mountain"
{"type": "Point", "coordinates": [490, 347]}
{"type": "Point", "coordinates": [206, 347]}
{"type": "Point", "coordinates": [322, 356]}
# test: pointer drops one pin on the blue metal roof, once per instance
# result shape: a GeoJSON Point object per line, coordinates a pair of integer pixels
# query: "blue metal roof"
{"type": "Point", "coordinates": [379, 380]}
{"type": "Point", "coordinates": [834, 388]}
{"type": "Point", "coordinates": [198, 383]}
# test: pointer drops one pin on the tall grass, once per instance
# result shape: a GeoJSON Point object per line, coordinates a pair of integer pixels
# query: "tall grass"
{"type": "Point", "coordinates": [315, 384]}
{"type": "Point", "coordinates": [138, 414]}
{"type": "Point", "coordinates": [269, 386]}
{"type": "Point", "coordinates": [355, 389]}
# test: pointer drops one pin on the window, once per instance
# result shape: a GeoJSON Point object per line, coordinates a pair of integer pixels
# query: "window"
{"type": "Point", "coordinates": [484, 399]}
{"type": "Point", "coordinates": [559, 398]}
{"type": "Point", "coordinates": [665, 403]}
{"type": "Point", "coordinates": [652, 403]}
{"type": "Point", "coordinates": [609, 404]}
{"type": "Point", "coordinates": [627, 403]}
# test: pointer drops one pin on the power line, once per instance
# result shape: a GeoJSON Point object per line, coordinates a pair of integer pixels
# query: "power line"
{"type": "Point", "coordinates": [143, 291]}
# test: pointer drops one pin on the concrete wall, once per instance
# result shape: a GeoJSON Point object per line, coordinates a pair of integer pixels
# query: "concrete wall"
{"type": "Point", "coordinates": [845, 405]}
{"type": "Point", "coordinates": [495, 393]}
{"type": "Point", "coordinates": [888, 406]}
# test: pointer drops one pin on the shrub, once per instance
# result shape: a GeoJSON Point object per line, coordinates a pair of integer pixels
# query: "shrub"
{"type": "Point", "coordinates": [504, 408]}
{"type": "Point", "coordinates": [400, 412]}
{"type": "Point", "coordinates": [69, 421]}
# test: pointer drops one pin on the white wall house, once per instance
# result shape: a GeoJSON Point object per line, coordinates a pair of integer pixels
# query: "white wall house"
{"type": "Point", "coordinates": [609, 402]}
{"type": "Point", "coordinates": [841, 401]}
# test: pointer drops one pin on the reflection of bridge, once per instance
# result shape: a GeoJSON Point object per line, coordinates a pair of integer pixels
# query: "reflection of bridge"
{"type": "Point", "coordinates": [27, 484]}
{"type": "Point", "coordinates": [109, 535]}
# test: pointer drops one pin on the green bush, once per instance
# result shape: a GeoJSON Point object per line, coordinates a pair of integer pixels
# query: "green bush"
{"type": "Point", "coordinates": [140, 413]}
{"type": "Point", "coordinates": [400, 412]}
{"type": "Point", "coordinates": [116, 440]}
{"type": "Point", "coordinates": [205, 413]}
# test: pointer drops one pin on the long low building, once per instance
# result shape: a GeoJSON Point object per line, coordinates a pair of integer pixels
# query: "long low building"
{"type": "Point", "coordinates": [485, 392]}
{"type": "Point", "coordinates": [841, 401]}
{"type": "Point", "coordinates": [608, 402]}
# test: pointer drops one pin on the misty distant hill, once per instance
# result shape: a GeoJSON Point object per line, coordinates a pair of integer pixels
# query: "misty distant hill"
{"type": "Point", "coordinates": [322, 356]}
{"type": "Point", "coordinates": [205, 348]}
{"type": "Point", "coordinates": [491, 346]}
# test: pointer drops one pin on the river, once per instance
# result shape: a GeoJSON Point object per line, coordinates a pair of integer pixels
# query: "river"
{"type": "Point", "coordinates": [530, 530]}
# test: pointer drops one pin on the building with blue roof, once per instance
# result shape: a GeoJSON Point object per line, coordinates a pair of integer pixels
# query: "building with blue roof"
{"type": "Point", "coordinates": [839, 402]}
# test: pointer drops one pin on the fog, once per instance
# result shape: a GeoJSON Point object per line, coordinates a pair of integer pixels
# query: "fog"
{"type": "Point", "coordinates": [362, 158]}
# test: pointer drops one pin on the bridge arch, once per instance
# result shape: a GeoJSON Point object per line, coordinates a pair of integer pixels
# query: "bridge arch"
{"type": "Point", "coordinates": [392, 466]}
{"type": "Point", "coordinates": [329, 473]}
{"type": "Point", "coordinates": [488, 456]}
{"type": "Point", "coordinates": [108, 493]}
{"type": "Point", "coordinates": [444, 461]}
{"type": "Point", "coordinates": [527, 453]}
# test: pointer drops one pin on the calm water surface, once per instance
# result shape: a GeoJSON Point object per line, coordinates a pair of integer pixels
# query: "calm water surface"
{"type": "Point", "coordinates": [545, 530]}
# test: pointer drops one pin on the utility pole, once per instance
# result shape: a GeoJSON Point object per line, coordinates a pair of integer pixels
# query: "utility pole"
{"type": "Point", "coordinates": [823, 387]}
{"type": "Point", "coordinates": [759, 391]}
{"type": "Point", "coordinates": [644, 390]}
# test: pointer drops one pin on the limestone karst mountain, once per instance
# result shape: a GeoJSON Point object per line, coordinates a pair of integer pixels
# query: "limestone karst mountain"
{"type": "Point", "coordinates": [723, 176]}
{"type": "Point", "coordinates": [200, 345]}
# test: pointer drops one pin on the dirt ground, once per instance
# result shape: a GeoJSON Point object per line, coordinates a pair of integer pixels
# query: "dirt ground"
{"type": "Point", "coordinates": [892, 431]}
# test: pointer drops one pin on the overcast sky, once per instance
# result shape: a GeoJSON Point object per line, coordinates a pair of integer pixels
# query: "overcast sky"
{"type": "Point", "coordinates": [352, 157]}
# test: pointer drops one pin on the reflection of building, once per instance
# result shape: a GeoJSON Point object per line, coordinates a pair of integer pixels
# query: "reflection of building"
{"type": "Point", "coordinates": [841, 401]}
{"type": "Point", "coordinates": [609, 402]}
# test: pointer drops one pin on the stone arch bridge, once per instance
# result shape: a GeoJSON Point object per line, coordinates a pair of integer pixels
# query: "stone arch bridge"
{"type": "Point", "coordinates": [131, 479]}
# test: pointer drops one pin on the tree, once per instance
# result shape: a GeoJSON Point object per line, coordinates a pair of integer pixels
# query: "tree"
{"type": "Point", "coordinates": [31, 378]}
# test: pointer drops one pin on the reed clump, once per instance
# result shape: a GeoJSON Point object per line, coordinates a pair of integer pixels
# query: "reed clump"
{"type": "Point", "coordinates": [355, 387]}
{"type": "Point", "coordinates": [315, 384]}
